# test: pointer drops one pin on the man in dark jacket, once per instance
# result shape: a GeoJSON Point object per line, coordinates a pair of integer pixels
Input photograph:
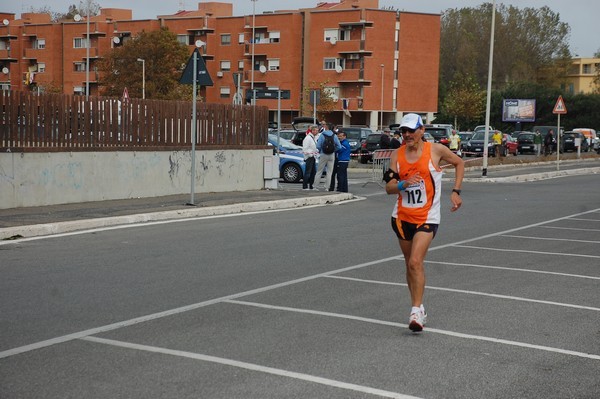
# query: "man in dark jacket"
{"type": "Point", "coordinates": [343, 159]}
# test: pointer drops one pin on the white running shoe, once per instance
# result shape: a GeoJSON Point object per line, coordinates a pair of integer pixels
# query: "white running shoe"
{"type": "Point", "coordinates": [417, 321]}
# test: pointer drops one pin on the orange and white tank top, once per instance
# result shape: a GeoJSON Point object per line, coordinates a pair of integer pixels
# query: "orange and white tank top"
{"type": "Point", "coordinates": [420, 202]}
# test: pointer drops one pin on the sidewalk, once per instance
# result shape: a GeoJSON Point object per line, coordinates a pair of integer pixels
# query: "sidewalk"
{"type": "Point", "coordinates": [55, 219]}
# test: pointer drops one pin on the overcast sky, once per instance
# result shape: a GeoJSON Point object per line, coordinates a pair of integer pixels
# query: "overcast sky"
{"type": "Point", "coordinates": [581, 15]}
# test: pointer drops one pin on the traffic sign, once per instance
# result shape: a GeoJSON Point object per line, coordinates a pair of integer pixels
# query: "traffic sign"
{"type": "Point", "coordinates": [202, 76]}
{"type": "Point", "coordinates": [559, 107]}
{"type": "Point", "coordinates": [125, 95]}
{"type": "Point", "coordinates": [266, 93]}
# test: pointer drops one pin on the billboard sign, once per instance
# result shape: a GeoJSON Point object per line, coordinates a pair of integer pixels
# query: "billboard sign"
{"type": "Point", "coordinates": [518, 110]}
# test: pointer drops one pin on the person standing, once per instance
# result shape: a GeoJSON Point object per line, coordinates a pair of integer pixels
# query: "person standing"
{"type": "Point", "coordinates": [537, 140]}
{"type": "Point", "coordinates": [385, 141]}
{"type": "Point", "coordinates": [396, 141]}
{"type": "Point", "coordinates": [454, 141]}
{"type": "Point", "coordinates": [415, 177]}
{"type": "Point", "coordinates": [497, 139]}
{"type": "Point", "coordinates": [327, 154]}
{"type": "Point", "coordinates": [309, 148]}
{"type": "Point", "coordinates": [343, 160]}
{"type": "Point", "coordinates": [548, 142]}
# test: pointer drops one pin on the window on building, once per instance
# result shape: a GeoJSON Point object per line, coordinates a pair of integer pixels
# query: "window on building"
{"type": "Point", "coordinates": [79, 66]}
{"type": "Point", "coordinates": [225, 39]}
{"type": "Point", "coordinates": [344, 34]}
{"type": "Point", "coordinates": [183, 39]}
{"type": "Point", "coordinates": [587, 69]}
{"type": "Point", "coordinates": [78, 90]}
{"type": "Point", "coordinates": [273, 65]}
{"type": "Point", "coordinates": [333, 92]}
{"type": "Point", "coordinates": [41, 67]}
{"type": "Point", "coordinates": [241, 38]}
{"type": "Point", "coordinates": [274, 37]}
{"type": "Point", "coordinates": [225, 65]}
{"type": "Point", "coordinates": [4, 45]}
{"type": "Point", "coordinates": [331, 34]}
{"type": "Point", "coordinates": [571, 88]}
{"type": "Point", "coordinates": [240, 65]}
{"type": "Point", "coordinates": [39, 44]}
{"type": "Point", "coordinates": [225, 92]}
{"type": "Point", "coordinates": [79, 42]}
{"type": "Point", "coordinates": [331, 63]}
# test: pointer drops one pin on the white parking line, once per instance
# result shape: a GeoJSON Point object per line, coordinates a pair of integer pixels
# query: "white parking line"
{"type": "Point", "coordinates": [567, 228]}
{"type": "Point", "coordinates": [170, 312]}
{"type": "Point", "coordinates": [510, 297]}
{"type": "Point", "coordinates": [586, 220]}
{"type": "Point", "coordinates": [527, 251]}
{"type": "Point", "coordinates": [549, 239]}
{"type": "Point", "coordinates": [514, 269]}
{"type": "Point", "coordinates": [431, 330]}
{"type": "Point", "coordinates": [253, 367]}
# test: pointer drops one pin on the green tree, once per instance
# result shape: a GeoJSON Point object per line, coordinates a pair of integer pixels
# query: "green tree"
{"type": "Point", "coordinates": [327, 103]}
{"type": "Point", "coordinates": [164, 57]}
{"type": "Point", "coordinates": [82, 9]}
{"type": "Point", "coordinates": [527, 44]}
{"type": "Point", "coordinates": [464, 102]}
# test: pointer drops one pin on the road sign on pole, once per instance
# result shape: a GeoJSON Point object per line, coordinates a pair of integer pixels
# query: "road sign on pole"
{"type": "Point", "coordinates": [559, 107]}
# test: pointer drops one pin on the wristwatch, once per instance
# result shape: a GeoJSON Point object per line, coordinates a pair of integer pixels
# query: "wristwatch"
{"type": "Point", "coordinates": [457, 191]}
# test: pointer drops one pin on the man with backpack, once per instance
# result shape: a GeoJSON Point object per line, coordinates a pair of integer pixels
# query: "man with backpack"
{"type": "Point", "coordinates": [327, 144]}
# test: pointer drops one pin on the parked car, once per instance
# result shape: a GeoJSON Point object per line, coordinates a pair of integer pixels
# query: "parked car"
{"type": "Point", "coordinates": [567, 142]}
{"type": "Point", "coordinates": [526, 142]}
{"type": "Point", "coordinates": [288, 134]}
{"type": "Point", "coordinates": [441, 133]}
{"type": "Point", "coordinates": [356, 135]}
{"type": "Point", "coordinates": [301, 124]}
{"type": "Point", "coordinates": [464, 138]}
{"type": "Point", "coordinates": [475, 146]}
{"type": "Point", "coordinates": [510, 145]}
{"type": "Point", "coordinates": [368, 146]}
{"type": "Point", "coordinates": [428, 137]}
{"type": "Point", "coordinates": [291, 159]}
{"type": "Point", "coordinates": [481, 128]}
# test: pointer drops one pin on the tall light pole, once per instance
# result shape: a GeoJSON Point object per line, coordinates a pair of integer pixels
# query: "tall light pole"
{"type": "Point", "coordinates": [381, 105]}
{"type": "Point", "coordinates": [489, 94]}
{"type": "Point", "coordinates": [143, 61]}
{"type": "Point", "coordinates": [252, 43]}
{"type": "Point", "coordinates": [87, 52]}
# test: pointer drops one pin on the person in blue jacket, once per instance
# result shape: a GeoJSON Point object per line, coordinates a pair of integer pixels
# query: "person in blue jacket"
{"type": "Point", "coordinates": [343, 159]}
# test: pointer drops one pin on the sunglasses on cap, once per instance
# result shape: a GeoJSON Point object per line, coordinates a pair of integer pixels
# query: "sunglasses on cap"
{"type": "Point", "coordinates": [408, 130]}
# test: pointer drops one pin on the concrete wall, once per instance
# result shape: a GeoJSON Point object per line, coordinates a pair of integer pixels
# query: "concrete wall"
{"type": "Point", "coordinates": [36, 179]}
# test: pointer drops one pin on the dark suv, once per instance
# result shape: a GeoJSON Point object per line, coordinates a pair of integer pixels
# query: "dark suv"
{"type": "Point", "coordinates": [369, 146]}
{"type": "Point", "coordinates": [441, 133]}
{"type": "Point", "coordinates": [567, 142]}
{"type": "Point", "coordinates": [356, 136]}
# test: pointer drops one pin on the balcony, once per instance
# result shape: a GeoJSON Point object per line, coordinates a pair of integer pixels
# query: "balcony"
{"type": "Point", "coordinates": [201, 31]}
{"type": "Point", "coordinates": [361, 23]}
{"type": "Point", "coordinates": [33, 53]}
{"type": "Point", "coordinates": [352, 76]}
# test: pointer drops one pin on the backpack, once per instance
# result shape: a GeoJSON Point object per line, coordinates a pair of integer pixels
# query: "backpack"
{"type": "Point", "coordinates": [328, 145]}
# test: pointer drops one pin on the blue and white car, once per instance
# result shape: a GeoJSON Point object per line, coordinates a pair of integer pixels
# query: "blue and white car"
{"type": "Point", "coordinates": [291, 159]}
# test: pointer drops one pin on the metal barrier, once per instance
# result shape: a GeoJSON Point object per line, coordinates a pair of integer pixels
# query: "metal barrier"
{"type": "Point", "coordinates": [381, 163]}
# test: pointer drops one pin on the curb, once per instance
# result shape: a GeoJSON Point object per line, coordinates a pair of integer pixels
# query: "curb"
{"type": "Point", "coordinates": [75, 225]}
{"type": "Point", "coordinates": [535, 176]}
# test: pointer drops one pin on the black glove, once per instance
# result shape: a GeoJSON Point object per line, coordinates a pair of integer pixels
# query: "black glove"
{"type": "Point", "coordinates": [390, 175]}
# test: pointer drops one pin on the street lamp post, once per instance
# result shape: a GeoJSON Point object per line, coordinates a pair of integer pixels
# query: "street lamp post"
{"type": "Point", "coordinates": [252, 61]}
{"type": "Point", "coordinates": [381, 105]}
{"type": "Point", "coordinates": [489, 94]}
{"type": "Point", "coordinates": [87, 53]}
{"type": "Point", "coordinates": [143, 61]}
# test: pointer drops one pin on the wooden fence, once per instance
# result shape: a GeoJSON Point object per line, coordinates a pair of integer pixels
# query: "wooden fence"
{"type": "Point", "coordinates": [58, 122]}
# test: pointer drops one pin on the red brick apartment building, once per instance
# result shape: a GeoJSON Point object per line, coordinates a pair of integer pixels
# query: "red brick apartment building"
{"type": "Point", "coordinates": [378, 64]}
